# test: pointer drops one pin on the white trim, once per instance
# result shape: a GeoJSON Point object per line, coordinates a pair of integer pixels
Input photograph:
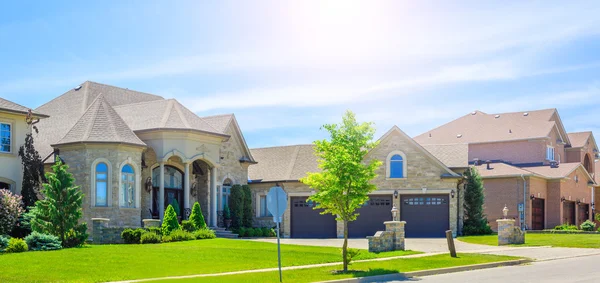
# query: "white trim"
{"type": "Point", "coordinates": [109, 182]}
{"type": "Point", "coordinates": [404, 165]}
{"type": "Point", "coordinates": [138, 184]}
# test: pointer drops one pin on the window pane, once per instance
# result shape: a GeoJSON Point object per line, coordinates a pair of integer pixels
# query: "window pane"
{"type": "Point", "coordinates": [101, 195]}
{"type": "Point", "coordinates": [127, 169]}
{"type": "Point", "coordinates": [263, 206]}
{"type": "Point", "coordinates": [396, 170]}
{"type": "Point", "coordinates": [5, 148]}
{"type": "Point", "coordinates": [396, 157]}
{"type": "Point", "coordinates": [101, 167]}
{"type": "Point", "coordinates": [101, 176]}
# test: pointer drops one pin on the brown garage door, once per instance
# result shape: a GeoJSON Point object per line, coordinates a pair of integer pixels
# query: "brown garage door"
{"type": "Point", "coordinates": [426, 216]}
{"type": "Point", "coordinates": [569, 212]}
{"type": "Point", "coordinates": [307, 222]}
{"type": "Point", "coordinates": [537, 214]}
{"type": "Point", "coordinates": [372, 215]}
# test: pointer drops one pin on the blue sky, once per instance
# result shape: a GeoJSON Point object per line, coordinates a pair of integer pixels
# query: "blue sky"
{"type": "Point", "coordinates": [287, 67]}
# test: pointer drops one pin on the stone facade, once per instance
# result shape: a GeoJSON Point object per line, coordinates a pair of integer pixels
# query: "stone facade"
{"type": "Point", "coordinates": [508, 234]}
{"type": "Point", "coordinates": [392, 239]}
{"type": "Point", "coordinates": [102, 233]}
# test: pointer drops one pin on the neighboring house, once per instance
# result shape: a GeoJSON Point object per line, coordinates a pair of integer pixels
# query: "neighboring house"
{"type": "Point", "coordinates": [524, 158]}
{"type": "Point", "coordinates": [134, 153]}
{"type": "Point", "coordinates": [13, 129]}
{"type": "Point", "coordinates": [418, 184]}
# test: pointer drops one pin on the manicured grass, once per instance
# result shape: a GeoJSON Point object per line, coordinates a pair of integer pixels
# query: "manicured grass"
{"type": "Point", "coordinates": [363, 269]}
{"type": "Point", "coordinates": [120, 262]}
{"type": "Point", "coordinates": [555, 240]}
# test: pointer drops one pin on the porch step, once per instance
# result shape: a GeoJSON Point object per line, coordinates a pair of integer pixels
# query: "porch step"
{"type": "Point", "coordinates": [222, 233]}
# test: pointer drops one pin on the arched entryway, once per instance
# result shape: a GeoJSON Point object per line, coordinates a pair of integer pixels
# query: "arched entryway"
{"type": "Point", "coordinates": [173, 184]}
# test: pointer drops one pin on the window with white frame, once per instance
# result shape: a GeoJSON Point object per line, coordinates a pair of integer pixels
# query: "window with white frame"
{"type": "Point", "coordinates": [550, 153]}
{"type": "Point", "coordinates": [226, 191]}
{"type": "Point", "coordinates": [101, 184]}
{"type": "Point", "coordinates": [127, 194]}
{"type": "Point", "coordinates": [264, 212]}
{"type": "Point", "coordinates": [5, 137]}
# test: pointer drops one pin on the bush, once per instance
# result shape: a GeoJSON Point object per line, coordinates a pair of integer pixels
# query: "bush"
{"type": "Point", "coordinates": [250, 232]}
{"type": "Point", "coordinates": [352, 253]}
{"type": "Point", "coordinates": [10, 210]}
{"type": "Point", "coordinates": [474, 230]}
{"type": "Point", "coordinates": [588, 225]}
{"type": "Point", "coordinates": [16, 245]}
{"type": "Point", "coordinates": [180, 235]}
{"type": "Point", "coordinates": [3, 243]}
{"type": "Point", "coordinates": [150, 238]}
{"type": "Point", "coordinates": [236, 205]}
{"type": "Point", "coordinates": [268, 232]}
{"type": "Point", "coordinates": [170, 222]}
{"type": "Point", "coordinates": [240, 231]}
{"type": "Point", "coordinates": [566, 227]}
{"type": "Point", "coordinates": [247, 217]}
{"type": "Point", "coordinates": [188, 225]}
{"type": "Point", "coordinates": [42, 242]}
{"type": "Point", "coordinates": [196, 217]}
{"type": "Point", "coordinates": [23, 225]}
{"type": "Point", "coordinates": [132, 236]}
{"type": "Point", "coordinates": [155, 230]}
{"type": "Point", "coordinates": [76, 236]}
{"type": "Point", "coordinates": [205, 234]}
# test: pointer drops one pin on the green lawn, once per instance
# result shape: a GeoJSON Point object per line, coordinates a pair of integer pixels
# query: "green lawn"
{"type": "Point", "coordinates": [555, 240]}
{"type": "Point", "coordinates": [120, 262]}
{"type": "Point", "coordinates": [367, 269]}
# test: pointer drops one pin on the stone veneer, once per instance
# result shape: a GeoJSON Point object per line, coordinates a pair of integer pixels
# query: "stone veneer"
{"type": "Point", "coordinates": [392, 239]}
{"type": "Point", "coordinates": [104, 234]}
{"type": "Point", "coordinates": [508, 234]}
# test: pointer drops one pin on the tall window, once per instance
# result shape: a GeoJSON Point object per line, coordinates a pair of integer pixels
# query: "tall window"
{"type": "Point", "coordinates": [226, 192]}
{"type": "Point", "coordinates": [396, 166]}
{"type": "Point", "coordinates": [264, 212]}
{"type": "Point", "coordinates": [101, 184]}
{"type": "Point", "coordinates": [4, 137]}
{"type": "Point", "coordinates": [127, 186]}
{"type": "Point", "coordinates": [550, 153]}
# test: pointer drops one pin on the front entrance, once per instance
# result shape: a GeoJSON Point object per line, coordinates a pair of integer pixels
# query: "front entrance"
{"type": "Point", "coordinates": [583, 213]}
{"type": "Point", "coordinates": [537, 211]}
{"type": "Point", "coordinates": [173, 190]}
{"type": "Point", "coordinates": [569, 212]}
{"type": "Point", "coordinates": [426, 216]}
{"type": "Point", "coordinates": [371, 217]}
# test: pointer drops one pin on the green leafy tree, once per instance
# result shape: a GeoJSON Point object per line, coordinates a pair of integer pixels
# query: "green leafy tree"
{"type": "Point", "coordinates": [475, 222]}
{"type": "Point", "coordinates": [248, 211]}
{"type": "Point", "coordinates": [33, 168]}
{"type": "Point", "coordinates": [236, 205]}
{"type": "Point", "coordinates": [344, 183]}
{"type": "Point", "coordinates": [170, 222]}
{"type": "Point", "coordinates": [196, 217]}
{"type": "Point", "coordinates": [59, 212]}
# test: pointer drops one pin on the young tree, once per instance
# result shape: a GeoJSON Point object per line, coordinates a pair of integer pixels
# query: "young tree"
{"type": "Point", "coordinates": [196, 217]}
{"type": "Point", "coordinates": [475, 222]}
{"type": "Point", "coordinates": [344, 183]}
{"type": "Point", "coordinates": [248, 211]}
{"type": "Point", "coordinates": [170, 222]}
{"type": "Point", "coordinates": [59, 212]}
{"type": "Point", "coordinates": [32, 169]}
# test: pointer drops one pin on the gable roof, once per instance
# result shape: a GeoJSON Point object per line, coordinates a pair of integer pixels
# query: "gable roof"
{"type": "Point", "coordinates": [480, 127]}
{"type": "Point", "coordinates": [452, 155]}
{"type": "Point", "coordinates": [580, 139]}
{"type": "Point", "coordinates": [283, 163]}
{"type": "Point", "coordinates": [499, 170]}
{"type": "Point", "coordinates": [100, 123]}
{"type": "Point", "coordinates": [11, 107]}
{"type": "Point", "coordinates": [563, 170]}
{"type": "Point", "coordinates": [420, 148]}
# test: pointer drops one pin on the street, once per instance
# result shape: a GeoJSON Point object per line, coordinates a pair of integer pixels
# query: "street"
{"type": "Point", "coordinates": [580, 269]}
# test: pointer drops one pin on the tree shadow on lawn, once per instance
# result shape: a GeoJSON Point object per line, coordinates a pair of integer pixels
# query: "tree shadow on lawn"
{"type": "Point", "coordinates": [379, 272]}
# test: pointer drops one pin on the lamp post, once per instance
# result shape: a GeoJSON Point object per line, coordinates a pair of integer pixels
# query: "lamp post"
{"type": "Point", "coordinates": [394, 213]}
{"type": "Point", "coordinates": [505, 211]}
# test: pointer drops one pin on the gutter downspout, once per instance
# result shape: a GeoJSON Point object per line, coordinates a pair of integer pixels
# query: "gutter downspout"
{"type": "Point", "coordinates": [524, 225]}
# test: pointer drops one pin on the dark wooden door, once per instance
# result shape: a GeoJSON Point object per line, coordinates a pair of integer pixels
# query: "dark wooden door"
{"type": "Point", "coordinates": [372, 214]}
{"type": "Point", "coordinates": [569, 212]}
{"type": "Point", "coordinates": [537, 214]}
{"type": "Point", "coordinates": [426, 216]}
{"type": "Point", "coordinates": [583, 213]}
{"type": "Point", "coordinates": [307, 222]}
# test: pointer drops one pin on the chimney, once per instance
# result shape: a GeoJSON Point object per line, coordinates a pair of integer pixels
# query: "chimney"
{"type": "Point", "coordinates": [553, 164]}
{"type": "Point", "coordinates": [487, 162]}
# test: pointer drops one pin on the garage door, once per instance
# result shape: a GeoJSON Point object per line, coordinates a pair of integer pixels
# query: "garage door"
{"type": "Point", "coordinates": [426, 216]}
{"type": "Point", "coordinates": [309, 223]}
{"type": "Point", "coordinates": [372, 215]}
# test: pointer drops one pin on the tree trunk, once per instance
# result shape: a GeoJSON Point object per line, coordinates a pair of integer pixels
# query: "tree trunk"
{"type": "Point", "coordinates": [345, 246]}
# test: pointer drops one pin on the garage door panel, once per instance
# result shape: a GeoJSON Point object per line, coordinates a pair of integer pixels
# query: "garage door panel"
{"type": "Point", "coordinates": [425, 215]}
{"type": "Point", "coordinates": [307, 222]}
{"type": "Point", "coordinates": [371, 217]}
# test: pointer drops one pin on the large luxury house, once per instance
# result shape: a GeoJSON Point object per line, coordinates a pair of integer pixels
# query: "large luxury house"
{"type": "Point", "coordinates": [134, 153]}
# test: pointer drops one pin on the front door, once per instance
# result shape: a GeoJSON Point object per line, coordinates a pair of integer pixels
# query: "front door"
{"type": "Point", "coordinates": [583, 213]}
{"type": "Point", "coordinates": [173, 184]}
{"type": "Point", "coordinates": [537, 214]}
{"type": "Point", "coordinates": [569, 212]}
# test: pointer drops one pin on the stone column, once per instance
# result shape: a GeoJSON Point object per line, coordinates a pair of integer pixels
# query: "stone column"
{"type": "Point", "coordinates": [213, 194]}
{"type": "Point", "coordinates": [186, 186]}
{"type": "Point", "coordinates": [397, 227]}
{"type": "Point", "coordinates": [161, 191]}
{"type": "Point", "coordinates": [98, 226]}
{"type": "Point", "coordinates": [505, 231]}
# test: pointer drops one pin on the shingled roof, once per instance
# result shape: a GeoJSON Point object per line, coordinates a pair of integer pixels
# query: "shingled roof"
{"type": "Point", "coordinates": [219, 122]}
{"type": "Point", "coordinates": [579, 139]}
{"type": "Point", "coordinates": [452, 155]}
{"type": "Point", "coordinates": [283, 163]}
{"type": "Point", "coordinates": [480, 127]}
{"type": "Point", "coordinates": [9, 106]}
{"type": "Point", "coordinates": [100, 123]}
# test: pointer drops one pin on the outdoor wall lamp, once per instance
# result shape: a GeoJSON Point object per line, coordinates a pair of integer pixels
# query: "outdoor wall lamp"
{"type": "Point", "coordinates": [452, 193]}
{"type": "Point", "coordinates": [578, 202]}
{"type": "Point", "coordinates": [562, 199]}
{"type": "Point", "coordinates": [394, 213]}
{"type": "Point", "coordinates": [396, 194]}
{"type": "Point", "coordinates": [532, 197]}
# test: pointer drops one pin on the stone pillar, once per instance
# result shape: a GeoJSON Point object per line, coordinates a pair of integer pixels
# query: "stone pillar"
{"type": "Point", "coordinates": [213, 196]}
{"type": "Point", "coordinates": [397, 227]}
{"type": "Point", "coordinates": [186, 186]}
{"type": "Point", "coordinates": [98, 226]}
{"type": "Point", "coordinates": [161, 191]}
{"type": "Point", "coordinates": [151, 223]}
{"type": "Point", "coordinates": [505, 231]}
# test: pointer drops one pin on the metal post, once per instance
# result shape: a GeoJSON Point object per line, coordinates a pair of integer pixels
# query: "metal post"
{"type": "Point", "coordinates": [278, 244]}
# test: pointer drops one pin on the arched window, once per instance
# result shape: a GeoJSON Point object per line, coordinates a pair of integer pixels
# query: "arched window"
{"type": "Point", "coordinates": [127, 194]}
{"type": "Point", "coordinates": [396, 166]}
{"type": "Point", "coordinates": [101, 184]}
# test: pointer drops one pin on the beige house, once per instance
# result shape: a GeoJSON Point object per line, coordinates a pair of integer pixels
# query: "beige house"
{"type": "Point", "coordinates": [135, 153]}
{"type": "Point", "coordinates": [423, 189]}
{"type": "Point", "coordinates": [13, 129]}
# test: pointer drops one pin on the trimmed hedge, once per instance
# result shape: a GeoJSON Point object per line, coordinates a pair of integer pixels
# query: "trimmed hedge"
{"type": "Point", "coordinates": [247, 218]}
{"type": "Point", "coordinates": [255, 232]}
{"type": "Point", "coordinates": [42, 242]}
{"type": "Point", "coordinates": [16, 245]}
{"type": "Point", "coordinates": [188, 225]}
{"type": "Point", "coordinates": [196, 217]}
{"type": "Point", "coordinates": [170, 222]}
{"type": "Point", "coordinates": [205, 234]}
{"type": "Point", "coordinates": [132, 236]}
{"type": "Point", "coordinates": [178, 236]}
{"type": "Point", "coordinates": [236, 205]}
{"type": "Point", "coordinates": [150, 238]}
{"type": "Point", "coordinates": [588, 226]}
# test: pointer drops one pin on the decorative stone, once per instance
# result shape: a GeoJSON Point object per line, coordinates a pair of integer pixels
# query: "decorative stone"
{"type": "Point", "coordinates": [151, 223]}
{"type": "Point", "coordinates": [508, 234]}
{"type": "Point", "coordinates": [391, 239]}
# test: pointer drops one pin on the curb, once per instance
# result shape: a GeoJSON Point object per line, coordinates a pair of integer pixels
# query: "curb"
{"type": "Point", "coordinates": [406, 275]}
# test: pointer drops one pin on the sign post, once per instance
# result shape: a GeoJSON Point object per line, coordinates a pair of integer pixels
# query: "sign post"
{"type": "Point", "coordinates": [276, 204]}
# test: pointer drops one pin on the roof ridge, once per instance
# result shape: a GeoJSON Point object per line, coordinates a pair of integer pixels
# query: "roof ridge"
{"type": "Point", "coordinates": [180, 113]}
{"type": "Point", "coordinates": [99, 106]}
{"type": "Point", "coordinates": [281, 146]}
{"type": "Point", "coordinates": [214, 116]}
{"type": "Point", "coordinates": [528, 111]}
{"type": "Point", "coordinates": [137, 103]}
{"type": "Point", "coordinates": [147, 93]}
{"type": "Point", "coordinates": [166, 114]}
{"type": "Point", "coordinates": [290, 169]}
{"type": "Point", "coordinates": [583, 132]}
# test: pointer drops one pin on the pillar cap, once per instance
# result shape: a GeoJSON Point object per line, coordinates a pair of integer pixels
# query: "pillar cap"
{"type": "Point", "coordinates": [394, 222]}
{"type": "Point", "coordinates": [100, 219]}
{"type": "Point", "coordinates": [505, 220]}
